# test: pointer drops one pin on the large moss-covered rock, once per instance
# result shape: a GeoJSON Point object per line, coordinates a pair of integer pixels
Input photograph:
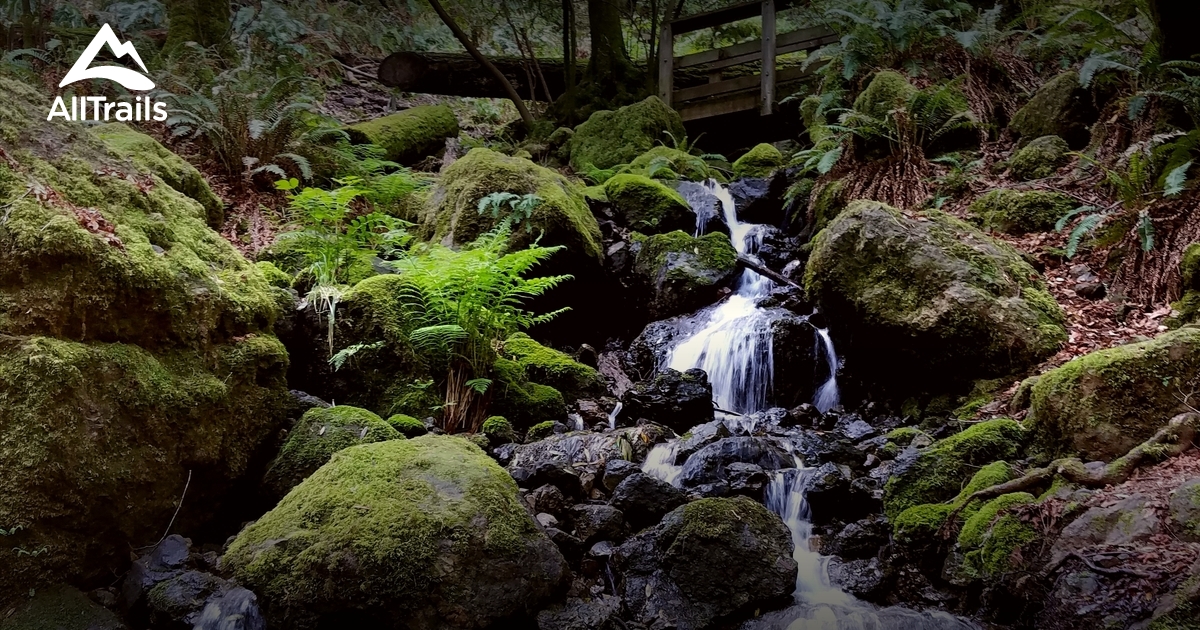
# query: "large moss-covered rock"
{"type": "Point", "coordinates": [760, 161]}
{"type": "Point", "coordinates": [708, 560]}
{"type": "Point", "coordinates": [561, 218]}
{"type": "Point", "coordinates": [940, 471]}
{"type": "Point", "coordinates": [990, 538]}
{"type": "Point", "coordinates": [930, 298]}
{"type": "Point", "coordinates": [1102, 404]}
{"type": "Point", "coordinates": [888, 90]}
{"type": "Point", "coordinates": [322, 432]}
{"type": "Point", "coordinates": [410, 135]}
{"type": "Point", "coordinates": [149, 155]}
{"type": "Point", "coordinates": [1018, 212]}
{"type": "Point", "coordinates": [815, 122]}
{"type": "Point", "coordinates": [523, 402]}
{"type": "Point", "coordinates": [552, 367]}
{"type": "Point", "coordinates": [1040, 158]}
{"type": "Point", "coordinates": [429, 531]}
{"type": "Point", "coordinates": [683, 272]}
{"type": "Point", "coordinates": [609, 138]}
{"type": "Point", "coordinates": [1059, 108]}
{"type": "Point", "coordinates": [647, 205]}
{"type": "Point", "coordinates": [663, 162]}
{"type": "Point", "coordinates": [136, 345]}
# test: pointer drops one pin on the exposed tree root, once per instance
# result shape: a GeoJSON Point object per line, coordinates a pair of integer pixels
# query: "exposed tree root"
{"type": "Point", "coordinates": [1171, 440]}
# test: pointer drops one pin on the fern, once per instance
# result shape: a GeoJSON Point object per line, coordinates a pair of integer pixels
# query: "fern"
{"type": "Point", "coordinates": [1176, 179]}
{"type": "Point", "coordinates": [1085, 227]}
{"type": "Point", "coordinates": [520, 208]}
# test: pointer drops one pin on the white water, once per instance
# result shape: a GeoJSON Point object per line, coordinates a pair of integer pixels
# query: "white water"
{"type": "Point", "coordinates": [734, 347]}
{"type": "Point", "coordinates": [612, 416]}
{"type": "Point", "coordinates": [660, 462]}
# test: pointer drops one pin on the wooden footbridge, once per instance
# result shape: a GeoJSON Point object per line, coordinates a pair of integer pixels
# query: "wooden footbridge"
{"type": "Point", "coordinates": [744, 81]}
{"type": "Point", "coordinates": [744, 93]}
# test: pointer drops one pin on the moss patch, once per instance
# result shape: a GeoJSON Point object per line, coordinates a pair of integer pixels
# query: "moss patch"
{"type": "Point", "coordinates": [1056, 109]}
{"type": "Point", "coordinates": [407, 426]}
{"type": "Point", "coordinates": [1017, 212]}
{"type": "Point", "coordinates": [498, 430]}
{"type": "Point", "coordinates": [410, 135]}
{"type": "Point", "coordinates": [760, 161]}
{"type": "Point", "coordinates": [551, 367]}
{"type": "Point", "coordinates": [1040, 158]}
{"type": "Point", "coordinates": [523, 402]}
{"type": "Point", "coordinates": [663, 162]}
{"type": "Point", "coordinates": [990, 542]}
{"type": "Point", "coordinates": [647, 205]}
{"type": "Point", "coordinates": [322, 432]}
{"type": "Point", "coordinates": [609, 138]}
{"type": "Point", "coordinates": [1102, 404]}
{"type": "Point", "coordinates": [887, 91]}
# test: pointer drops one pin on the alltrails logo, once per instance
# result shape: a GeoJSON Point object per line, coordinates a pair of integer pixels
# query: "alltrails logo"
{"type": "Point", "coordinates": [142, 108]}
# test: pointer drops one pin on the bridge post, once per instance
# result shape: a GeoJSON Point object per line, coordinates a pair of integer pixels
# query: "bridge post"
{"type": "Point", "coordinates": [666, 64]}
{"type": "Point", "coordinates": [768, 58]}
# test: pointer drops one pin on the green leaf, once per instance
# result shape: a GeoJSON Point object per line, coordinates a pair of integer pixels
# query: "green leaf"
{"type": "Point", "coordinates": [1176, 179]}
{"type": "Point", "coordinates": [1062, 223]}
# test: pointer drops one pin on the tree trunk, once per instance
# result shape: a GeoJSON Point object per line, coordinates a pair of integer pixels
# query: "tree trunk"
{"type": "Point", "coordinates": [462, 38]}
{"type": "Point", "coordinates": [1177, 21]}
{"type": "Point", "coordinates": [569, 62]}
{"type": "Point", "coordinates": [609, 66]}
{"type": "Point", "coordinates": [457, 74]}
{"type": "Point", "coordinates": [205, 22]}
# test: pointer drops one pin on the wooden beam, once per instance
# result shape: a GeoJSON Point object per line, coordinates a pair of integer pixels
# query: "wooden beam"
{"type": "Point", "coordinates": [805, 38]}
{"type": "Point", "coordinates": [729, 86]}
{"type": "Point", "coordinates": [666, 63]}
{"type": "Point", "coordinates": [718, 17]}
{"type": "Point", "coordinates": [768, 58]}
{"type": "Point", "coordinates": [746, 101]}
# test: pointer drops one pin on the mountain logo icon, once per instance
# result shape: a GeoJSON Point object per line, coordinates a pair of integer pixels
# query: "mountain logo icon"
{"type": "Point", "coordinates": [131, 79]}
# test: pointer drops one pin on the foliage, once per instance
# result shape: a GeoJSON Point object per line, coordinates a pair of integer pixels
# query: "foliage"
{"type": "Point", "coordinates": [875, 33]}
{"type": "Point", "coordinates": [463, 305]}
{"type": "Point", "coordinates": [331, 238]}
{"type": "Point", "coordinates": [520, 208]}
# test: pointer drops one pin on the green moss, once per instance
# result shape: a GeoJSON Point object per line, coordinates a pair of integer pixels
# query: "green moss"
{"type": "Point", "coordinates": [979, 311]}
{"type": "Point", "coordinates": [150, 156]}
{"type": "Point", "coordinates": [920, 523]}
{"type": "Point", "coordinates": [647, 205]}
{"type": "Point", "coordinates": [1102, 404]}
{"type": "Point", "coordinates": [938, 473]}
{"type": "Point", "coordinates": [551, 367]}
{"type": "Point", "coordinates": [409, 135]}
{"type": "Point", "coordinates": [395, 510]}
{"type": "Point", "coordinates": [562, 217]}
{"type": "Point", "coordinates": [828, 204]}
{"type": "Point", "coordinates": [671, 164]}
{"type": "Point", "coordinates": [903, 436]}
{"type": "Point", "coordinates": [523, 402]}
{"type": "Point", "coordinates": [609, 138]}
{"type": "Point", "coordinates": [60, 608]}
{"type": "Point", "coordinates": [817, 127]}
{"type": "Point", "coordinates": [1049, 112]}
{"type": "Point", "coordinates": [990, 542]}
{"type": "Point", "coordinates": [322, 432]}
{"type": "Point", "coordinates": [760, 161]}
{"type": "Point", "coordinates": [1189, 267]}
{"type": "Point", "coordinates": [1017, 212]}
{"type": "Point", "coordinates": [684, 266]}
{"type": "Point", "coordinates": [498, 430]}
{"type": "Point", "coordinates": [539, 431]}
{"type": "Point", "coordinates": [205, 22]}
{"type": "Point", "coordinates": [595, 193]}
{"type": "Point", "coordinates": [887, 91]}
{"type": "Point", "coordinates": [719, 519]}
{"type": "Point", "coordinates": [1040, 158]}
{"type": "Point", "coordinates": [273, 275]}
{"type": "Point", "coordinates": [407, 426]}
{"type": "Point", "coordinates": [982, 393]}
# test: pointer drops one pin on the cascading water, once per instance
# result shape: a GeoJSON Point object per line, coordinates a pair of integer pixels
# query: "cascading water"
{"type": "Point", "coordinates": [734, 346]}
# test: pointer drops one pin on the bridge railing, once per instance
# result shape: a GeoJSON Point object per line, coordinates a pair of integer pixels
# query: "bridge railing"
{"type": "Point", "coordinates": [720, 95]}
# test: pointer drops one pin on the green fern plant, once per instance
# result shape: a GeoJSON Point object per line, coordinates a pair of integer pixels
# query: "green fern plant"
{"type": "Point", "coordinates": [926, 117]}
{"type": "Point", "coordinates": [880, 34]}
{"type": "Point", "coordinates": [511, 210]}
{"type": "Point", "coordinates": [462, 305]}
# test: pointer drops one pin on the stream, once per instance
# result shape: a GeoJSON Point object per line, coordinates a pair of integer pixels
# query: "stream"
{"type": "Point", "coordinates": [733, 346]}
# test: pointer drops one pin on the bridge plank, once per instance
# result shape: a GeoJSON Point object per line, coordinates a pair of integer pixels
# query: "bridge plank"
{"type": "Point", "coordinates": [738, 54]}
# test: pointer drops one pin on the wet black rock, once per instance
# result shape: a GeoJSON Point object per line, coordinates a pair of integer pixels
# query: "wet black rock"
{"type": "Point", "coordinates": [548, 499]}
{"type": "Point", "coordinates": [706, 562]}
{"type": "Point", "coordinates": [601, 613]}
{"type": "Point", "coordinates": [594, 523]}
{"type": "Point", "coordinates": [709, 465]}
{"type": "Point", "coordinates": [235, 609]}
{"type": "Point", "coordinates": [860, 578]}
{"type": "Point", "coordinates": [859, 540]}
{"type": "Point", "coordinates": [700, 436]}
{"type": "Point", "coordinates": [615, 471]}
{"type": "Point", "coordinates": [747, 479]}
{"type": "Point", "coordinates": [645, 500]}
{"type": "Point", "coordinates": [165, 561]}
{"type": "Point", "coordinates": [570, 546]}
{"type": "Point", "coordinates": [760, 200]}
{"type": "Point", "coordinates": [832, 496]}
{"type": "Point", "coordinates": [678, 400]}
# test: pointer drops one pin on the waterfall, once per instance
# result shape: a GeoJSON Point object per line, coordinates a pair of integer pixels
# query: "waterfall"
{"type": "Point", "coordinates": [612, 416]}
{"type": "Point", "coordinates": [734, 346]}
{"type": "Point", "coordinates": [827, 396]}
{"type": "Point", "coordinates": [660, 462]}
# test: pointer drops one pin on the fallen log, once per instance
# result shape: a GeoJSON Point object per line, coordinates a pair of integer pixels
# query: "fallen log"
{"type": "Point", "coordinates": [766, 271]}
{"type": "Point", "coordinates": [458, 74]}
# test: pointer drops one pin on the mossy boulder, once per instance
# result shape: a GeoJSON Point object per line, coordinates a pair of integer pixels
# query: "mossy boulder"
{"type": "Point", "coordinates": [920, 524]}
{"type": "Point", "coordinates": [990, 538]}
{"type": "Point", "coordinates": [1040, 158]}
{"type": "Point", "coordinates": [939, 472]}
{"type": "Point", "coordinates": [609, 138]}
{"type": "Point", "coordinates": [1102, 404]}
{"type": "Point", "coordinates": [523, 402]}
{"type": "Point", "coordinates": [498, 430]}
{"type": "Point", "coordinates": [322, 432]}
{"type": "Point", "coordinates": [407, 426]}
{"type": "Point", "coordinates": [930, 297]}
{"type": "Point", "coordinates": [136, 345]}
{"type": "Point", "coordinates": [409, 135]}
{"type": "Point", "coordinates": [647, 205]}
{"type": "Point", "coordinates": [683, 272]}
{"type": "Point", "coordinates": [540, 431]}
{"type": "Point", "coordinates": [561, 218]}
{"type": "Point", "coordinates": [274, 275]}
{"type": "Point", "coordinates": [1018, 212]}
{"type": "Point", "coordinates": [150, 156]}
{"type": "Point", "coordinates": [888, 90]}
{"type": "Point", "coordinates": [706, 561]}
{"type": "Point", "coordinates": [1187, 309]}
{"type": "Point", "coordinates": [552, 367]}
{"type": "Point", "coordinates": [663, 162]}
{"type": "Point", "coordinates": [60, 608]}
{"type": "Point", "coordinates": [760, 161]}
{"type": "Point", "coordinates": [428, 530]}
{"type": "Point", "coordinates": [1059, 108]}
{"type": "Point", "coordinates": [827, 205]}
